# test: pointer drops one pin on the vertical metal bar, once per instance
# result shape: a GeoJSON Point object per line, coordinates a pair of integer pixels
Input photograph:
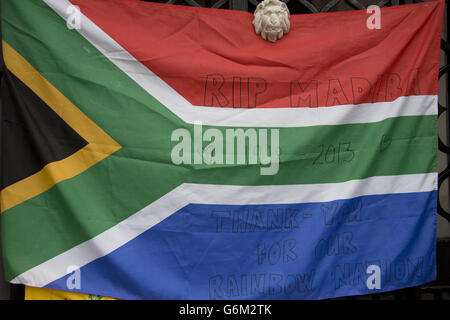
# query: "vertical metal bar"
{"type": "Point", "coordinates": [17, 292]}
{"type": "Point", "coordinates": [447, 102]}
{"type": "Point", "coordinates": [437, 295]}
{"type": "Point", "coordinates": [241, 5]}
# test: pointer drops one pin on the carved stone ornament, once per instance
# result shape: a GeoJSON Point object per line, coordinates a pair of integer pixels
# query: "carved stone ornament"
{"type": "Point", "coordinates": [272, 20]}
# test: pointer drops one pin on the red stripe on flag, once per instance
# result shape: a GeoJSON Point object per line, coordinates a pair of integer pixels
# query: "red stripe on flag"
{"type": "Point", "coordinates": [214, 58]}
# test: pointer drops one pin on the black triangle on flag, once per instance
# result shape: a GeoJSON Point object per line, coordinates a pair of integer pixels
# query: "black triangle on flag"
{"type": "Point", "coordinates": [33, 135]}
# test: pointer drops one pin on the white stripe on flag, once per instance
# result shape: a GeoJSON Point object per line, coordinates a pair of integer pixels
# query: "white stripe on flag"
{"type": "Point", "coordinates": [267, 117]}
{"type": "Point", "coordinates": [133, 226]}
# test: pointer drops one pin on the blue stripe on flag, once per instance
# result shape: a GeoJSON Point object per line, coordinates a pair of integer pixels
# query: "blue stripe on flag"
{"type": "Point", "coordinates": [295, 251]}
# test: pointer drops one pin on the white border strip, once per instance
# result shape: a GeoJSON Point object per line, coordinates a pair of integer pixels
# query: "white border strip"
{"type": "Point", "coordinates": [130, 228]}
{"type": "Point", "coordinates": [257, 117]}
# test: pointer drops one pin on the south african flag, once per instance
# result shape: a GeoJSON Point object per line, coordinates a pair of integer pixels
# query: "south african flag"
{"type": "Point", "coordinates": [153, 151]}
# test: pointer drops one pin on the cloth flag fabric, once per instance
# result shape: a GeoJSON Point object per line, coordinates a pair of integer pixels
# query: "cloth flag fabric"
{"type": "Point", "coordinates": [152, 151]}
{"type": "Point", "coordinates": [34, 293]}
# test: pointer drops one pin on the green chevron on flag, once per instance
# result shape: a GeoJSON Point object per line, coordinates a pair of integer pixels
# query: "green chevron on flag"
{"type": "Point", "coordinates": [152, 151]}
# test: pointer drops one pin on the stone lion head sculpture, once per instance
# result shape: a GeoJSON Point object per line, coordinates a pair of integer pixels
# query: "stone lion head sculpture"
{"type": "Point", "coordinates": [271, 20]}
